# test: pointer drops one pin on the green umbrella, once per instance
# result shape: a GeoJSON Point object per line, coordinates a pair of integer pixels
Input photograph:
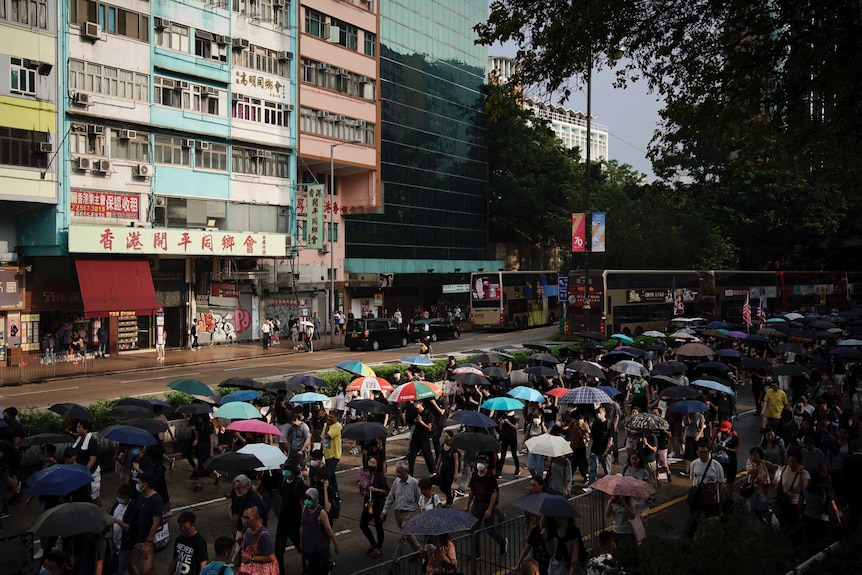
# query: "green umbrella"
{"type": "Point", "coordinates": [237, 410]}
{"type": "Point", "coordinates": [502, 404]}
{"type": "Point", "coordinates": [192, 387]}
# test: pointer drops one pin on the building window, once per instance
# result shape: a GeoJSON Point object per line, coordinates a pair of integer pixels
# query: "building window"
{"type": "Point", "coordinates": [171, 150]}
{"type": "Point", "coordinates": [107, 80]}
{"type": "Point", "coordinates": [314, 22]}
{"type": "Point", "coordinates": [213, 158]}
{"type": "Point", "coordinates": [135, 149]}
{"type": "Point", "coordinates": [111, 19]}
{"type": "Point", "coordinates": [33, 13]}
{"type": "Point", "coordinates": [370, 43]}
{"type": "Point", "coordinates": [348, 34]}
{"type": "Point", "coordinates": [174, 37]}
{"type": "Point", "coordinates": [185, 96]}
{"type": "Point", "coordinates": [331, 232]}
{"type": "Point", "coordinates": [260, 163]}
{"type": "Point", "coordinates": [22, 79]}
{"type": "Point", "coordinates": [206, 47]}
{"type": "Point", "coordinates": [255, 110]}
{"type": "Point", "coordinates": [260, 59]}
{"type": "Point", "coordinates": [16, 148]}
{"type": "Point", "coordinates": [85, 141]}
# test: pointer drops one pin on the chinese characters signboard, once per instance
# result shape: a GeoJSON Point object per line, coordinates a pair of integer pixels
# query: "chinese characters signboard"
{"type": "Point", "coordinates": [124, 241]}
{"type": "Point", "coordinates": [256, 85]}
{"type": "Point", "coordinates": [316, 207]}
{"type": "Point", "coordinates": [105, 204]}
{"type": "Point", "coordinates": [11, 289]}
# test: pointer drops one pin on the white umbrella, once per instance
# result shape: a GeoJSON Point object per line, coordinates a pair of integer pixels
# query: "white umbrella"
{"type": "Point", "coordinates": [271, 456]}
{"type": "Point", "coordinates": [684, 336]}
{"type": "Point", "coordinates": [653, 333]}
{"type": "Point", "coordinates": [548, 445]}
{"type": "Point", "coordinates": [792, 316]}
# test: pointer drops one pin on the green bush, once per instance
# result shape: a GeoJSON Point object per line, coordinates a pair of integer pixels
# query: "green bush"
{"type": "Point", "coordinates": [178, 398]}
{"type": "Point", "coordinates": [37, 421]}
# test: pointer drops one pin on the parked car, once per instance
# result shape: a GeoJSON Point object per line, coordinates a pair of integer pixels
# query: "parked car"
{"type": "Point", "coordinates": [434, 328]}
{"type": "Point", "coordinates": [374, 333]}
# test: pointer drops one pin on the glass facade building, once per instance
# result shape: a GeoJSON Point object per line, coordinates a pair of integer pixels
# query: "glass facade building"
{"type": "Point", "coordinates": [434, 160]}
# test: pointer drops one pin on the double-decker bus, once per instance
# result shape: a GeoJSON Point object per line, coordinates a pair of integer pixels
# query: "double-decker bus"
{"type": "Point", "coordinates": [854, 288]}
{"type": "Point", "coordinates": [727, 290]}
{"type": "Point", "coordinates": [513, 299]}
{"type": "Point", "coordinates": [811, 291]}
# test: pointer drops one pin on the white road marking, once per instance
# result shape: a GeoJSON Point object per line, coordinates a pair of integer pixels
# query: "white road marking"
{"type": "Point", "coordinates": [175, 376]}
{"type": "Point", "coordinates": [256, 366]}
{"type": "Point", "coordinates": [41, 391]}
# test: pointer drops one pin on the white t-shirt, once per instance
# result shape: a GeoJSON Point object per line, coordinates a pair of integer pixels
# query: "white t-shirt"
{"type": "Point", "coordinates": [714, 473]}
{"type": "Point", "coordinates": [430, 503]}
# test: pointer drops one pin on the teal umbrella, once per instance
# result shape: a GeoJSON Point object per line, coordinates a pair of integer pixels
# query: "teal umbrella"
{"type": "Point", "coordinates": [308, 397]}
{"type": "Point", "coordinates": [527, 394]}
{"type": "Point", "coordinates": [502, 404]}
{"type": "Point", "coordinates": [237, 410]}
{"type": "Point", "coordinates": [624, 338]}
{"type": "Point", "coordinates": [192, 387]}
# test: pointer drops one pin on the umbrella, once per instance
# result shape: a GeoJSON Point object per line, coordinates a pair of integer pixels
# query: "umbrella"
{"type": "Point", "coordinates": [237, 410]}
{"type": "Point", "coordinates": [502, 404]}
{"type": "Point", "coordinates": [547, 505]}
{"type": "Point", "coordinates": [242, 395]}
{"type": "Point", "coordinates": [792, 369]}
{"type": "Point", "coordinates": [541, 371]}
{"type": "Point", "coordinates": [473, 419]}
{"type": "Point", "coordinates": [635, 351]}
{"type": "Point", "coordinates": [44, 439]}
{"type": "Point", "coordinates": [708, 384]}
{"type": "Point", "coordinates": [722, 368]}
{"type": "Point", "coordinates": [850, 342]}
{"type": "Point", "coordinates": [792, 316]}
{"type": "Point", "coordinates": [769, 332]}
{"type": "Point", "coordinates": [233, 462]}
{"type": "Point", "coordinates": [591, 335]}
{"type": "Point", "coordinates": [151, 425]}
{"type": "Point", "coordinates": [438, 522]}
{"type": "Point", "coordinates": [688, 407]}
{"type": "Point", "coordinates": [791, 348]}
{"type": "Point", "coordinates": [756, 339]}
{"type": "Point", "coordinates": [158, 403]}
{"type": "Point", "coordinates": [622, 337]}
{"type": "Point", "coordinates": [69, 519]}
{"type": "Point", "coordinates": [369, 384]}
{"type": "Point", "coordinates": [656, 379]}
{"type": "Point", "coordinates": [495, 372]}
{"type": "Point", "coordinates": [128, 435]}
{"type": "Point", "coordinates": [776, 320]}
{"type": "Point", "coordinates": [537, 347]}
{"type": "Point", "coordinates": [544, 358]}
{"type": "Point", "coordinates": [737, 334]}
{"type": "Point", "coordinates": [728, 352]}
{"type": "Point", "coordinates": [629, 367]}
{"type": "Point", "coordinates": [275, 386]}
{"type": "Point", "coordinates": [548, 445]}
{"type": "Point", "coordinates": [471, 379]}
{"type": "Point", "coordinates": [192, 387]}
{"type": "Point", "coordinates": [72, 411]}
{"type": "Point", "coordinates": [679, 392]}
{"type": "Point", "coordinates": [254, 426]}
{"type": "Point", "coordinates": [212, 399]}
{"type": "Point", "coordinates": [368, 405]}
{"type": "Point", "coordinates": [526, 393]}
{"type": "Point", "coordinates": [474, 441]}
{"type": "Point", "coordinates": [420, 360]}
{"type": "Point", "coordinates": [624, 486]}
{"type": "Point", "coordinates": [194, 409]}
{"type": "Point", "coordinates": [133, 401]}
{"type": "Point", "coordinates": [559, 392]}
{"type": "Point", "coordinates": [670, 367]}
{"type": "Point", "coordinates": [242, 383]}
{"type": "Point", "coordinates": [271, 457]}
{"type": "Point", "coordinates": [503, 353]}
{"type": "Point", "coordinates": [310, 380]}
{"type": "Point", "coordinates": [465, 369]}
{"type": "Point", "coordinates": [487, 359]}
{"type": "Point", "coordinates": [364, 431]}
{"type": "Point", "coordinates": [131, 411]}
{"type": "Point", "coordinates": [753, 363]}
{"type": "Point", "coordinates": [355, 367]}
{"type": "Point", "coordinates": [308, 397]}
{"type": "Point", "coordinates": [611, 391]}
{"type": "Point", "coordinates": [646, 422]}
{"type": "Point", "coordinates": [846, 352]}
{"type": "Point", "coordinates": [653, 333]}
{"type": "Point", "coordinates": [586, 368]}
{"type": "Point", "coordinates": [413, 390]}
{"type": "Point", "coordinates": [685, 336]}
{"type": "Point", "coordinates": [613, 357]}
{"type": "Point", "coordinates": [59, 479]}
{"type": "Point", "coordinates": [586, 395]}
{"type": "Point", "coordinates": [592, 345]}
{"type": "Point", "coordinates": [695, 350]}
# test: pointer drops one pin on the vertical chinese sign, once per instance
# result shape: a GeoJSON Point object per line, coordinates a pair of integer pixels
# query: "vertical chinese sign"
{"type": "Point", "coordinates": [315, 223]}
{"type": "Point", "coordinates": [578, 232]}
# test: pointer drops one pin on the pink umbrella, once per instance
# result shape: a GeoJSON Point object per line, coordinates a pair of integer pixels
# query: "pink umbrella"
{"type": "Point", "coordinates": [624, 486]}
{"type": "Point", "coordinates": [254, 426]}
{"type": "Point", "coordinates": [468, 369]}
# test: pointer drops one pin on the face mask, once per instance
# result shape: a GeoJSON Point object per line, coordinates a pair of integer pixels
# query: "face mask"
{"type": "Point", "coordinates": [122, 501]}
{"type": "Point", "coordinates": [135, 452]}
{"type": "Point", "coordinates": [480, 467]}
{"type": "Point", "coordinates": [44, 571]}
{"type": "Point", "coordinates": [139, 488]}
{"type": "Point", "coordinates": [309, 503]}
{"type": "Point", "coordinates": [340, 388]}
{"type": "Point", "coordinates": [537, 421]}
{"type": "Point", "coordinates": [287, 474]}
{"type": "Point", "coordinates": [372, 468]}
{"type": "Point", "coordinates": [313, 463]}
{"type": "Point", "coordinates": [601, 416]}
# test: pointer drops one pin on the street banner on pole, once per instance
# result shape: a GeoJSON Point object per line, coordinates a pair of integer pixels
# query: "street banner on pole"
{"type": "Point", "coordinates": [598, 232]}
{"type": "Point", "coordinates": [579, 232]}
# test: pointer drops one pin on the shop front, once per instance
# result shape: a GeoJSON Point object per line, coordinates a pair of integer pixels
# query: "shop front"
{"type": "Point", "coordinates": [18, 332]}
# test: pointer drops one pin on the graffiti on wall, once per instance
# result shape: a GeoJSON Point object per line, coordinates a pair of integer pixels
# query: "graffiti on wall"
{"type": "Point", "coordinates": [216, 326]}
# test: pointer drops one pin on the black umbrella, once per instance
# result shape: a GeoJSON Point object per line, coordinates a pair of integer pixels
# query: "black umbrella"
{"type": "Point", "coordinates": [792, 369]}
{"type": "Point", "coordinates": [670, 367]}
{"type": "Point", "coordinates": [586, 368]}
{"type": "Point", "coordinates": [495, 372]}
{"type": "Point", "coordinates": [72, 411]}
{"type": "Point", "coordinates": [592, 345]}
{"type": "Point", "coordinates": [755, 363]}
{"type": "Point", "coordinates": [364, 431]}
{"type": "Point", "coordinates": [471, 379]}
{"type": "Point", "coordinates": [242, 383]}
{"type": "Point", "coordinates": [661, 379]}
{"type": "Point", "coordinates": [487, 359]}
{"type": "Point", "coordinates": [679, 392]}
{"type": "Point", "coordinates": [368, 405]}
{"type": "Point", "coordinates": [131, 411]}
{"type": "Point", "coordinates": [613, 357]}
{"type": "Point", "coordinates": [154, 426]}
{"type": "Point", "coordinates": [44, 439]}
{"type": "Point", "coordinates": [194, 409]}
{"type": "Point", "coordinates": [541, 370]}
{"type": "Point", "coordinates": [791, 348]}
{"type": "Point", "coordinates": [69, 519]}
{"type": "Point", "coordinates": [544, 358]}
{"type": "Point", "coordinates": [283, 384]}
{"type": "Point", "coordinates": [502, 353]}
{"type": "Point", "coordinates": [133, 401]}
{"type": "Point", "coordinates": [537, 347]}
{"type": "Point", "coordinates": [472, 441]}
{"type": "Point", "coordinates": [233, 462]}
{"type": "Point", "coordinates": [159, 403]}
{"type": "Point", "coordinates": [594, 335]}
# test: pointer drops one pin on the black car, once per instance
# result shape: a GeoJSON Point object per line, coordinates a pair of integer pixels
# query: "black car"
{"type": "Point", "coordinates": [374, 333]}
{"type": "Point", "coordinates": [435, 328]}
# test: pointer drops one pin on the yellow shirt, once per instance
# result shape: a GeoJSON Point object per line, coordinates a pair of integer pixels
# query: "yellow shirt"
{"type": "Point", "coordinates": [333, 442]}
{"type": "Point", "coordinates": [775, 401]}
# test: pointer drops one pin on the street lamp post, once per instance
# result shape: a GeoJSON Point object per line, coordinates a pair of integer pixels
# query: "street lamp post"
{"type": "Point", "coordinates": [588, 215]}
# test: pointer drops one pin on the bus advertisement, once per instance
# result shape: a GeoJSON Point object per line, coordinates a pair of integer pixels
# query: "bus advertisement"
{"type": "Point", "coordinates": [513, 299]}
{"type": "Point", "coordinates": [727, 290]}
{"type": "Point", "coordinates": [811, 291]}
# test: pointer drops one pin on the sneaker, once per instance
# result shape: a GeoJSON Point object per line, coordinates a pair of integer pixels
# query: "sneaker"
{"type": "Point", "coordinates": [505, 546]}
{"type": "Point", "coordinates": [459, 493]}
{"type": "Point", "coordinates": [683, 473]}
{"type": "Point", "coordinates": [588, 489]}
{"type": "Point", "coordinates": [173, 460]}
{"type": "Point", "coordinates": [5, 515]}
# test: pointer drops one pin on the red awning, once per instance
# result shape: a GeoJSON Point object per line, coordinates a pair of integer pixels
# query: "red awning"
{"type": "Point", "coordinates": [116, 287]}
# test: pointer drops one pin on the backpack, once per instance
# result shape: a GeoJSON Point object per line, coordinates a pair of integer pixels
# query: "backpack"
{"type": "Point", "coordinates": [334, 504]}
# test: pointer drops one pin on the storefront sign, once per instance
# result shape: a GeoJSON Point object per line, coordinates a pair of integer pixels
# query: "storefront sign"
{"type": "Point", "coordinates": [285, 302]}
{"type": "Point", "coordinates": [314, 236]}
{"type": "Point", "coordinates": [105, 204]}
{"type": "Point", "coordinates": [456, 288]}
{"type": "Point", "coordinates": [123, 240]}
{"type": "Point", "coordinates": [249, 83]}
{"type": "Point", "coordinates": [223, 290]}
{"type": "Point", "coordinates": [11, 289]}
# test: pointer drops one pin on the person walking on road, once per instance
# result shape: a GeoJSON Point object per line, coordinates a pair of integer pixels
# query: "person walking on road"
{"type": "Point", "coordinates": [190, 548]}
{"type": "Point", "coordinates": [404, 496]}
{"type": "Point", "coordinates": [149, 518]}
{"type": "Point", "coordinates": [292, 504]}
{"type": "Point", "coordinates": [257, 555]}
{"type": "Point", "coordinates": [315, 534]}
{"type": "Point", "coordinates": [481, 503]}
{"type": "Point", "coordinates": [372, 510]}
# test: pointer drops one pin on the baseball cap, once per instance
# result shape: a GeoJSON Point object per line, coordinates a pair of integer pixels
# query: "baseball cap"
{"type": "Point", "coordinates": [725, 426]}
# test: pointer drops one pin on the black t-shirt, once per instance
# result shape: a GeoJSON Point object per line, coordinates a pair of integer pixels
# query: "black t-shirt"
{"type": "Point", "coordinates": [549, 414]}
{"type": "Point", "coordinates": [507, 432]}
{"type": "Point", "coordinates": [238, 504]}
{"type": "Point", "coordinates": [147, 508]}
{"type": "Point", "coordinates": [482, 487]}
{"type": "Point", "coordinates": [85, 448]}
{"type": "Point", "coordinates": [537, 546]}
{"type": "Point", "coordinates": [600, 437]}
{"type": "Point", "coordinates": [189, 553]}
{"type": "Point", "coordinates": [650, 439]}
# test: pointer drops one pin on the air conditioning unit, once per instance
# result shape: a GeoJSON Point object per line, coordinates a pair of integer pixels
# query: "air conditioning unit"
{"type": "Point", "coordinates": [209, 91]}
{"type": "Point", "coordinates": [188, 143]}
{"type": "Point", "coordinates": [128, 134]}
{"type": "Point", "coordinates": [240, 44]}
{"type": "Point", "coordinates": [95, 129]}
{"type": "Point", "coordinates": [222, 40]}
{"type": "Point", "coordinates": [331, 33]}
{"type": "Point", "coordinates": [203, 145]}
{"type": "Point", "coordinates": [161, 201]}
{"type": "Point", "coordinates": [285, 56]}
{"type": "Point", "coordinates": [343, 72]}
{"type": "Point", "coordinates": [361, 123]}
{"type": "Point", "coordinates": [267, 154]}
{"type": "Point", "coordinates": [324, 65]}
{"type": "Point", "coordinates": [144, 171]}
{"type": "Point", "coordinates": [91, 31]}
{"type": "Point", "coordinates": [261, 153]}
{"type": "Point", "coordinates": [367, 4]}
{"type": "Point", "coordinates": [168, 84]}
{"type": "Point", "coordinates": [42, 147]}
{"type": "Point", "coordinates": [365, 80]}
{"type": "Point", "coordinates": [236, 97]}
{"type": "Point", "coordinates": [329, 118]}
{"type": "Point", "coordinates": [30, 64]}
{"type": "Point", "coordinates": [289, 107]}
{"type": "Point", "coordinates": [182, 85]}
{"type": "Point", "coordinates": [81, 99]}
{"type": "Point", "coordinates": [82, 163]}
{"type": "Point", "coordinates": [322, 114]}
{"type": "Point", "coordinates": [325, 248]}
{"type": "Point", "coordinates": [340, 118]}
{"type": "Point", "coordinates": [161, 23]}
{"type": "Point", "coordinates": [104, 166]}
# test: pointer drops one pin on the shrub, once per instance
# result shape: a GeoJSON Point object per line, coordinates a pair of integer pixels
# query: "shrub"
{"type": "Point", "coordinates": [37, 421]}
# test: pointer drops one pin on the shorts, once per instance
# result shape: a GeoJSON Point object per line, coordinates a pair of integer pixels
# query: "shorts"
{"type": "Point", "coordinates": [690, 449]}
{"type": "Point", "coordinates": [661, 458]}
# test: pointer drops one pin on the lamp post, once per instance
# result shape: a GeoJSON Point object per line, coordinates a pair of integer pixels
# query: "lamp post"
{"type": "Point", "coordinates": [588, 215]}
{"type": "Point", "coordinates": [330, 238]}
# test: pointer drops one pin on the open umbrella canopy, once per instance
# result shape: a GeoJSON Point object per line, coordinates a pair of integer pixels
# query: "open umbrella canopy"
{"type": "Point", "coordinates": [59, 479]}
{"type": "Point", "coordinates": [629, 367]}
{"type": "Point", "coordinates": [624, 486]}
{"type": "Point", "coordinates": [130, 411]}
{"type": "Point", "coordinates": [308, 397]}
{"type": "Point", "coordinates": [192, 387]}
{"type": "Point", "coordinates": [769, 332]}
{"type": "Point", "coordinates": [585, 395]}
{"type": "Point", "coordinates": [414, 390]}
{"type": "Point", "coordinates": [717, 366]}
{"type": "Point", "coordinates": [670, 367]}
{"type": "Point", "coordinates": [695, 350]}
{"type": "Point", "coordinates": [544, 358]}
{"type": "Point", "coordinates": [548, 445]}
{"type": "Point", "coordinates": [776, 320]}
{"type": "Point", "coordinates": [494, 372]}
{"type": "Point", "coordinates": [593, 335]}
{"type": "Point", "coordinates": [645, 422]}
{"type": "Point", "coordinates": [438, 522]}
{"type": "Point", "coordinates": [474, 441]}
{"type": "Point", "coordinates": [242, 383]}
{"type": "Point", "coordinates": [237, 410]}
{"type": "Point", "coordinates": [471, 379]}
{"type": "Point", "coordinates": [679, 392]}
{"type": "Point", "coordinates": [128, 435]}
{"type": "Point", "coordinates": [737, 334]}
{"type": "Point", "coordinates": [688, 407]}
{"type": "Point", "coordinates": [502, 353]}
{"type": "Point", "coordinates": [282, 384]}
{"type": "Point", "coordinates": [271, 457]}
{"type": "Point", "coordinates": [502, 404]}
{"type": "Point", "coordinates": [537, 347]}
{"type": "Point", "coordinates": [611, 391]}
{"type": "Point", "coordinates": [254, 426]}
{"type": "Point", "coordinates": [69, 519]}
{"type": "Point", "coordinates": [148, 424]}
{"type": "Point", "coordinates": [133, 401]}
{"type": "Point", "coordinates": [369, 384]}
{"type": "Point", "coordinates": [653, 333]}
{"type": "Point", "coordinates": [791, 348]}
{"type": "Point", "coordinates": [473, 418]}
{"type": "Point", "coordinates": [792, 369]}
{"type": "Point", "coordinates": [355, 367]}
{"type": "Point", "coordinates": [709, 384]}
{"type": "Point", "coordinates": [526, 393]}
{"type": "Point", "coordinates": [486, 359]}
{"type": "Point", "coordinates": [541, 371]}
{"type": "Point", "coordinates": [194, 409]}
{"type": "Point", "coordinates": [586, 368]}
{"type": "Point", "coordinates": [793, 316]}
{"type": "Point", "coordinates": [850, 342]}
{"type": "Point", "coordinates": [72, 411]}
{"type": "Point", "coordinates": [684, 336]}
{"type": "Point", "coordinates": [364, 431]}
{"type": "Point", "coordinates": [729, 352]}
{"type": "Point", "coordinates": [419, 360]}
{"type": "Point", "coordinates": [635, 351]}
{"type": "Point", "coordinates": [44, 439]}
{"type": "Point", "coordinates": [368, 405]}
{"type": "Point", "coordinates": [592, 345]}
{"type": "Point", "coordinates": [753, 363]}
{"type": "Point", "coordinates": [311, 381]}
{"type": "Point", "coordinates": [623, 337]}
{"type": "Point", "coordinates": [613, 357]}
{"type": "Point", "coordinates": [242, 395]}
{"type": "Point", "coordinates": [474, 369]}
{"type": "Point", "coordinates": [546, 505]}
{"type": "Point", "coordinates": [846, 352]}
{"type": "Point", "coordinates": [233, 462]}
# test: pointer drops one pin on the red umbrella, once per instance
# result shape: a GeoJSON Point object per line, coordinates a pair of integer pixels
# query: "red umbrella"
{"type": "Point", "coordinates": [254, 426]}
{"type": "Point", "coordinates": [414, 390]}
{"type": "Point", "coordinates": [624, 486]}
{"type": "Point", "coordinates": [559, 392]}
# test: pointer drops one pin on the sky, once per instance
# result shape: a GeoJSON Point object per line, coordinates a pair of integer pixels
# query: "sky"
{"type": "Point", "coordinates": [631, 114]}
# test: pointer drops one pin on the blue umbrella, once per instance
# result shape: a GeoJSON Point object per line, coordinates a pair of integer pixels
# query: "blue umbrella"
{"type": "Point", "coordinates": [714, 385]}
{"type": "Point", "coordinates": [623, 337]}
{"type": "Point", "coordinates": [584, 395]}
{"type": "Point", "coordinates": [308, 381]}
{"type": "Point", "coordinates": [237, 410]}
{"type": "Point", "coordinates": [128, 435]}
{"type": "Point", "coordinates": [546, 505]}
{"type": "Point", "coordinates": [728, 352]}
{"type": "Point", "coordinates": [473, 419]}
{"type": "Point", "coordinates": [688, 407]}
{"type": "Point", "coordinates": [502, 404]}
{"type": "Point", "coordinates": [717, 325]}
{"type": "Point", "coordinates": [611, 391]}
{"type": "Point", "coordinates": [527, 394]}
{"type": "Point", "coordinates": [309, 397]}
{"type": "Point", "coordinates": [59, 479]}
{"type": "Point", "coordinates": [242, 395]}
{"type": "Point", "coordinates": [438, 522]}
{"type": "Point", "coordinates": [417, 360]}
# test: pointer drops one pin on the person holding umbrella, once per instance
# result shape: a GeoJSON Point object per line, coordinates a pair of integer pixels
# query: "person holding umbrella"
{"type": "Point", "coordinates": [439, 555]}
{"type": "Point", "coordinates": [481, 504]}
